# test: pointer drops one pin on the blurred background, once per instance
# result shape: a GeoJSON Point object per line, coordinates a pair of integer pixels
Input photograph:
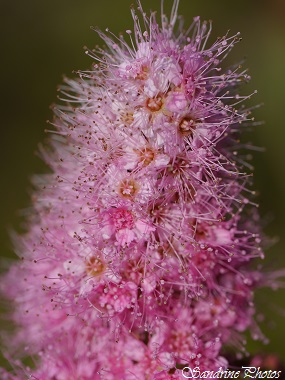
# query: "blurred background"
{"type": "Point", "coordinates": [41, 40]}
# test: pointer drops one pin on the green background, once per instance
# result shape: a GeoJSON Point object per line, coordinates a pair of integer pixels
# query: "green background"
{"type": "Point", "coordinates": [41, 40]}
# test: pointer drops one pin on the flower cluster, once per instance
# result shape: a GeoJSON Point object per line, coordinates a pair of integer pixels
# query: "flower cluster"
{"type": "Point", "coordinates": [135, 263]}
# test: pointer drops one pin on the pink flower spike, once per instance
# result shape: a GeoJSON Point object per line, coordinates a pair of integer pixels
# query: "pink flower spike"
{"type": "Point", "coordinates": [141, 251]}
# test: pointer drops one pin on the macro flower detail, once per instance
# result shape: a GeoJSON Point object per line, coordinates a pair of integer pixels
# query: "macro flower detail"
{"type": "Point", "coordinates": [138, 257]}
{"type": "Point", "coordinates": [123, 224]}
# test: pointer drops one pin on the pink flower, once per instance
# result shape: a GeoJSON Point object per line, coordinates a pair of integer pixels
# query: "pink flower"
{"type": "Point", "coordinates": [123, 224]}
{"type": "Point", "coordinates": [136, 261]}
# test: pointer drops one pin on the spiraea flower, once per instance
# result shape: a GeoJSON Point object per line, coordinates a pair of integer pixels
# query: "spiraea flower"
{"type": "Point", "coordinates": [138, 257]}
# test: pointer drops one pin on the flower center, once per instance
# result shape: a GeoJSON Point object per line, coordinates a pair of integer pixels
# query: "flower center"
{"type": "Point", "coordinates": [146, 155]}
{"type": "Point", "coordinates": [187, 126]}
{"type": "Point", "coordinates": [95, 266]}
{"type": "Point", "coordinates": [154, 104]}
{"type": "Point", "coordinates": [128, 188]}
